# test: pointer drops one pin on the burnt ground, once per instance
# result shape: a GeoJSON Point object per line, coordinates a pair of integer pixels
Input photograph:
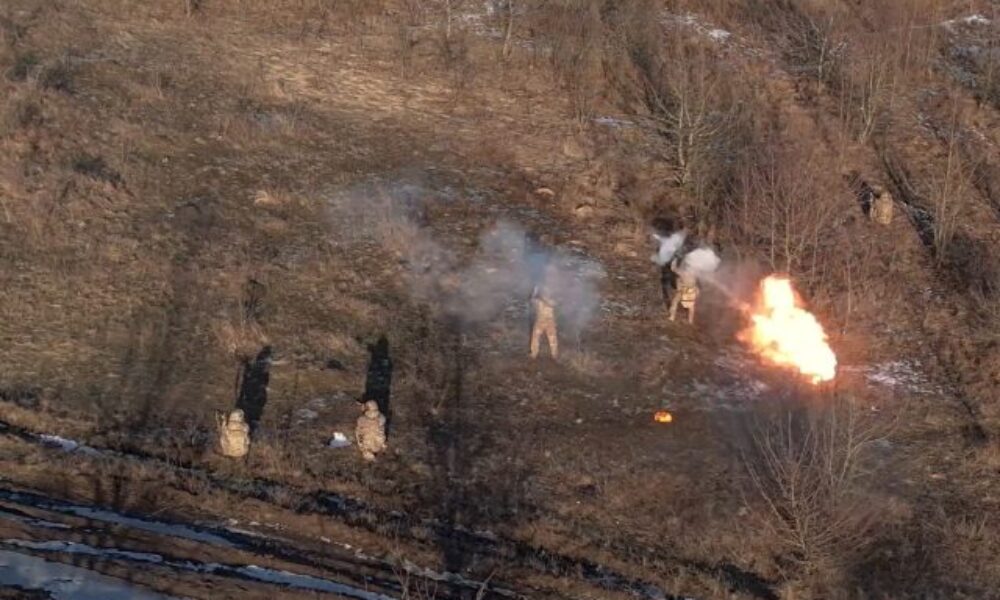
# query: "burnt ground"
{"type": "Point", "coordinates": [180, 194]}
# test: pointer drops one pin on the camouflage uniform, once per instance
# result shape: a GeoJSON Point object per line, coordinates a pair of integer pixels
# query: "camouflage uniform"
{"type": "Point", "coordinates": [545, 322]}
{"type": "Point", "coordinates": [686, 294]}
{"type": "Point", "coordinates": [881, 206]}
{"type": "Point", "coordinates": [234, 434]}
{"type": "Point", "coordinates": [370, 431]}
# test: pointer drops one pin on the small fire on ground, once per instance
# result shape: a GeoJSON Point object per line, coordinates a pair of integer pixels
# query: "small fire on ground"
{"type": "Point", "coordinates": [663, 416]}
{"type": "Point", "coordinates": [784, 333]}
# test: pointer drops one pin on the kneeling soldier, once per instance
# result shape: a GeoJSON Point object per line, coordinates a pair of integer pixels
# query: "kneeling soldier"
{"type": "Point", "coordinates": [881, 206]}
{"type": "Point", "coordinates": [234, 434]}
{"type": "Point", "coordinates": [370, 431]}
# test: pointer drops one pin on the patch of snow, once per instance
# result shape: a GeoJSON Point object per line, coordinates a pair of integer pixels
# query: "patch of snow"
{"type": "Point", "coordinates": [61, 442]}
{"type": "Point", "coordinates": [613, 122]}
{"type": "Point", "coordinates": [897, 374]}
{"type": "Point", "coordinates": [317, 403]}
{"type": "Point", "coordinates": [720, 35]}
{"type": "Point", "coordinates": [9, 516]}
{"type": "Point", "coordinates": [66, 445]}
{"type": "Point", "coordinates": [261, 574]}
{"type": "Point", "coordinates": [158, 527]}
{"type": "Point", "coordinates": [107, 516]}
{"type": "Point", "coordinates": [305, 414]}
{"type": "Point", "coordinates": [693, 22]}
{"type": "Point", "coordinates": [76, 548]}
{"type": "Point", "coordinates": [339, 440]}
{"type": "Point", "coordinates": [306, 582]}
{"type": "Point", "coordinates": [971, 20]}
{"type": "Point", "coordinates": [615, 307]}
{"type": "Point", "coordinates": [66, 582]}
{"type": "Point", "coordinates": [734, 395]}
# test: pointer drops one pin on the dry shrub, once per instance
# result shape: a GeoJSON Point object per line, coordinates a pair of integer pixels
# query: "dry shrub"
{"type": "Point", "coordinates": [586, 363]}
{"type": "Point", "coordinates": [783, 209]}
{"type": "Point", "coordinates": [974, 264]}
{"type": "Point", "coordinates": [22, 111]}
{"type": "Point", "coordinates": [810, 34]}
{"type": "Point", "coordinates": [988, 456]}
{"type": "Point", "coordinates": [959, 549]}
{"type": "Point", "coordinates": [971, 55]}
{"type": "Point", "coordinates": [949, 191]}
{"type": "Point", "coordinates": [587, 43]}
{"type": "Point", "coordinates": [867, 92]}
{"type": "Point", "coordinates": [240, 338]}
{"type": "Point", "coordinates": [574, 35]}
{"type": "Point", "coordinates": [811, 489]}
{"type": "Point", "coordinates": [690, 105]}
{"type": "Point", "coordinates": [241, 334]}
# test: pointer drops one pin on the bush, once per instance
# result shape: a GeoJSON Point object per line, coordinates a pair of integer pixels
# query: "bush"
{"type": "Point", "coordinates": [24, 65]}
{"type": "Point", "coordinates": [811, 489]}
{"type": "Point", "coordinates": [22, 112]}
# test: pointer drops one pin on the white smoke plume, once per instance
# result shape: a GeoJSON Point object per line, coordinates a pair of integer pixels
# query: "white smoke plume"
{"type": "Point", "coordinates": [505, 268]}
{"type": "Point", "coordinates": [495, 279]}
{"type": "Point", "coordinates": [703, 262]}
{"type": "Point", "coordinates": [668, 247]}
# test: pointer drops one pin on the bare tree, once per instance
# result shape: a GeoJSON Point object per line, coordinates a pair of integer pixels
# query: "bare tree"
{"type": "Point", "coordinates": [872, 94]}
{"type": "Point", "coordinates": [948, 192]}
{"type": "Point", "coordinates": [810, 481]}
{"type": "Point", "coordinates": [683, 113]}
{"type": "Point", "coordinates": [783, 208]}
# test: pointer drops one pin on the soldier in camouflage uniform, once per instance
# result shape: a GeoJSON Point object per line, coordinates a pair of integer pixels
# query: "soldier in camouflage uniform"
{"type": "Point", "coordinates": [881, 207]}
{"type": "Point", "coordinates": [544, 304]}
{"type": "Point", "coordinates": [686, 294]}
{"type": "Point", "coordinates": [234, 434]}
{"type": "Point", "coordinates": [370, 431]}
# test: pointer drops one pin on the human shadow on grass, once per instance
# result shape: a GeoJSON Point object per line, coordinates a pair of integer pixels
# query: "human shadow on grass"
{"type": "Point", "coordinates": [252, 396]}
{"type": "Point", "coordinates": [378, 381]}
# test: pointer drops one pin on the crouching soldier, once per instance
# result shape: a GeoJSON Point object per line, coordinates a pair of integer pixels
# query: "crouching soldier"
{"type": "Point", "coordinates": [881, 208]}
{"type": "Point", "coordinates": [544, 304]}
{"type": "Point", "coordinates": [234, 434]}
{"type": "Point", "coordinates": [370, 431]}
{"type": "Point", "coordinates": [685, 293]}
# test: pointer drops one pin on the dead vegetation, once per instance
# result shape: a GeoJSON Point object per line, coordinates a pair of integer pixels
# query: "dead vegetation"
{"type": "Point", "coordinates": [812, 492]}
{"type": "Point", "coordinates": [170, 163]}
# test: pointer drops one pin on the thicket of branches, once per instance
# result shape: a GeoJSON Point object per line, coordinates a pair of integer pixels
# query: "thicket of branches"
{"type": "Point", "coordinates": [812, 491]}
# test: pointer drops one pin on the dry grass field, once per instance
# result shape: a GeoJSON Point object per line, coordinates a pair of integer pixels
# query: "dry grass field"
{"type": "Point", "coordinates": [296, 203]}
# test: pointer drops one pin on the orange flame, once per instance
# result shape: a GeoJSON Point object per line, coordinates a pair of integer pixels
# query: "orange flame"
{"type": "Point", "coordinates": [663, 416]}
{"type": "Point", "coordinates": [786, 334]}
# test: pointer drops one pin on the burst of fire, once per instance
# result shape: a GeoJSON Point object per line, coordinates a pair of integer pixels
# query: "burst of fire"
{"type": "Point", "coordinates": [663, 416]}
{"type": "Point", "coordinates": [786, 334]}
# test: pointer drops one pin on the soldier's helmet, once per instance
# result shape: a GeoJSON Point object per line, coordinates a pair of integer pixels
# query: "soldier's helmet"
{"type": "Point", "coordinates": [236, 416]}
{"type": "Point", "coordinates": [371, 408]}
{"type": "Point", "coordinates": [877, 191]}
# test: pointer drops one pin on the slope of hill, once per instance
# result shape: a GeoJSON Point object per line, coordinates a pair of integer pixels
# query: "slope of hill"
{"type": "Point", "coordinates": [205, 203]}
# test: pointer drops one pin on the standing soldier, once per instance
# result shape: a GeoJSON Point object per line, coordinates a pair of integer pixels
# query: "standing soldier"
{"type": "Point", "coordinates": [543, 301]}
{"type": "Point", "coordinates": [370, 431]}
{"type": "Point", "coordinates": [686, 293]}
{"type": "Point", "coordinates": [234, 434]}
{"type": "Point", "coordinates": [880, 210]}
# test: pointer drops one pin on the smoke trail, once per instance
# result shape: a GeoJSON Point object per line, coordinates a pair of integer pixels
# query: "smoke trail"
{"type": "Point", "coordinates": [668, 247]}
